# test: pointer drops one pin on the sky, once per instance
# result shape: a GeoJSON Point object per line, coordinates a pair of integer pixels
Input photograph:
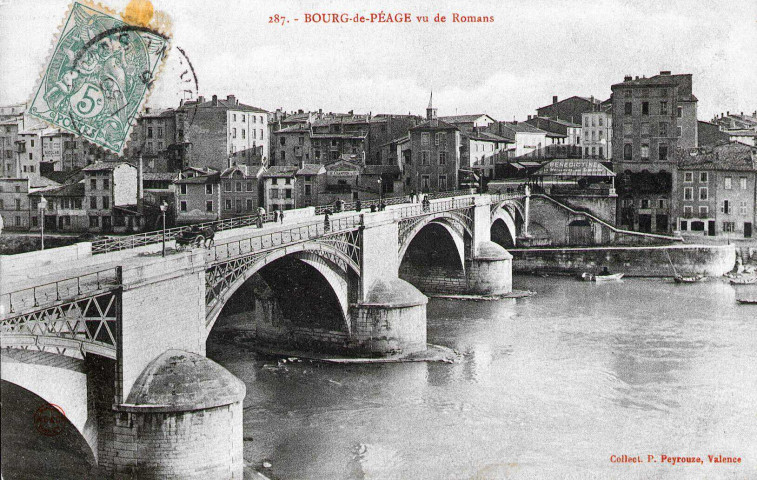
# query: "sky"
{"type": "Point", "coordinates": [534, 49]}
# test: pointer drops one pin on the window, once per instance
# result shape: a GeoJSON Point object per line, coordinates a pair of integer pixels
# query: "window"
{"type": "Point", "coordinates": [288, 181]}
{"type": "Point", "coordinates": [308, 190]}
{"type": "Point", "coordinates": [238, 186]}
{"type": "Point", "coordinates": [704, 211]}
{"type": "Point", "coordinates": [274, 193]}
{"type": "Point", "coordinates": [627, 129]}
{"type": "Point", "coordinates": [742, 208]}
{"type": "Point", "coordinates": [645, 129]}
{"type": "Point", "coordinates": [436, 139]}
{"type": "Point", "coordinates": [703, 177]}
{"type": "Point", "coordinates": [106, 202]}
{"type": "Point", "coordinates": [249, 186]}
{"type": "Point", "coordinates": [645, 108]}
{"type": "Point", "coordinates": [424, 138]}
{"type": "Point", "coordinates": [645, 152]}
{"type": "Point", "coordinates": [662, 203]}
{"type": "Point", "coordinates": [93, 184]}
{"type": "Point", "coordinates": [239, 205]}
{"type": "Point", "coordinates": [234, 117]}
{"type": "Point", "coordinates": [697, 226]}
{"type": "Point", "coordinates": [688, 177]}
{"type": "Point", "coordinates": [425, 157]}
{"type": "Point", "coordinates": [601, 152]}
{"type": "Point", "coordinates": [243, 132]}
{"type": "Point", "coordinates": [183, 189]}
{"type": "Point", "coordinates": [601, 121]}
{"type": "Point", "coordinates": [183, 205]}
{"type": "Point", "coordinates": [160, 132]}
{"type": "Point", "coordinates": [742, 183]}
{"type": "Point", "coordinates": [726, 207]}
{"type": "Point", "coordinates": [684, 225]}
{"type": "Point", "coordinates": [442, 183]}
{"type": "Point", "coordinates": [586, 121]}
{"type": "Point", "coordinates": [663, 152]}
{"type": "Point", "coordinates": [425, 183]}
{"type": "Point", "coordinates": [703, 193]}
{"type": "Point", "coordinates": [209, 189]}
{"type": "Point", "coordinates": [149, 132]}
{"type": "Point", "coordinates": [727, 181]}
{"type": "Point", "coordinates": [282, 141]}
{"type": "Point", "coordinates": [249, 204]}
{"type": "Point", "coordinates": [106, 183]}
{"type": "Point", "coordinates": [94, 221]}
{"type": "Point", "coordinates": [442, 158]}
{"type": "Point", "coordinates": [32, 142]}
{"type": "Point", "coordinates": [233, 133]}
{"type": "Point", "coordinates": [644, 203]}
{"type": "Point", "coordinates": [93, 203]}
{"type": "Point", "coordinates": [679, 131]}
{"type": "Point", "coordinates": [688, 211]}
{"type": "Point", "coordinates": [627, 93]}
{"type": "Point", "coordinates": [679, 112]}
{"type": "Point", "coordinates": [18, 203]}
{"type": "Point", "coordinates": [35, 221]}
{"type": "Point", "coordinates": [288, 193]}
{"type": "Point", "coordinates": [274, 181]}
{"type": "Point", "coordinates": [442, 141]}
{"type": "Point", "coordinates": [628, 108]}
{"type": "Point", "coordinates": [627, 151]}
{"type": "Point", "coordinates": [227, 185]}
{"type": "Point", "coordinates": [209, 206]}
{"type": "Point", "coordinates": [663, 108]}
{"type": "Point", "coordinates": [663, 129]}
{"type": "Point", "coordinates": [593, 151]}
{"type": "Point", "coordinates": [729, 227]}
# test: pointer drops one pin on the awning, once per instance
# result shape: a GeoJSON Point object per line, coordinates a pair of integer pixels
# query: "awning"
{"type": "Point", "coordinates": [569, 167]}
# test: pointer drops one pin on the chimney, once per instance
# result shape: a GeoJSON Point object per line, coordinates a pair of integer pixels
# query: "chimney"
{"type": "Point", "coordinates": [529, 117]}
{"type": "Point", "coordinates": [215, 100]}
{"type": "Point", "coordinates": [727, 113]}
{"type": "Point", "coordinates": [300, 111]}
{"type": "Point", "coordinates": [201, 99]}
{"type": "Point", "coordinates": [320, 111]}
{"type": "Point", "coordinates": [231, 99]}
{"type": "Point", "coordinates": [554, 99]}
{"type": "Point", "coordinates": [665, 72]}
{"type": "Point", "coordinates": [140, 183]}
{"type": "Point", "coordinates": [627, 78]}
{"type": "Point", "coordinates": [637, 77]}
{"type": "Point", "coordinates": [147, 109]}
{"type": "Point", "coordinates": [351, 112]}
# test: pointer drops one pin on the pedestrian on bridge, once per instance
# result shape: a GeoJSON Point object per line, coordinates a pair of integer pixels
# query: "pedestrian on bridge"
{"type": "Point", "coordinates": [275, 215]}
{"type": "Point", "coordinates": [326, 223]}
{"type": "Point", "coordinates": [358, 206]}
{"type": "Point", "coordinates": [281, 216]}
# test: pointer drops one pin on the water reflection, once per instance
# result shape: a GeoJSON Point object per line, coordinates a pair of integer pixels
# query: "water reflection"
{"type": "Point", "coordinates": [548, 387]}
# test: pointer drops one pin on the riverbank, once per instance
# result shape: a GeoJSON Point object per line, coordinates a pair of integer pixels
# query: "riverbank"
{"type": "Point", "coordinates": [484, 298]}
{"type": "Point", "coordinates": [642, 261]}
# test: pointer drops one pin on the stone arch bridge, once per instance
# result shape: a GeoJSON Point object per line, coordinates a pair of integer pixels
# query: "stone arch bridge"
{"type": "Point", "coordinates": [134, 315]}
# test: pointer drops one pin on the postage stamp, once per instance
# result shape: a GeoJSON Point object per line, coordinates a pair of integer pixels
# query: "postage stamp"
{"type": "Point", "coordinates": [98, 76]}
{"type": "Point", "coordinates": [49, 419]}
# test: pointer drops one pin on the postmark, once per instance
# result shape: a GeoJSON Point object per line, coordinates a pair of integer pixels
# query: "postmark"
{"type": "Point", "coordinates": [99, 76]}
{"type": "Point", "coordinates": [49, 419]}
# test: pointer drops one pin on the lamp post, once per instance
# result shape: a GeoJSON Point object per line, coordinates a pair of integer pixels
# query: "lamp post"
{"type": "Point", "coordinates": [42, 208]}
{"type": "Point", "coordinates": [163, 208]}
{"type": "Point", "coordinates": [381, 192]}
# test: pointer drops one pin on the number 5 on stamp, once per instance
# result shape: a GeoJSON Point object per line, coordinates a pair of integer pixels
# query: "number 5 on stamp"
{"type": "Point", "coordinates": [98, 76]}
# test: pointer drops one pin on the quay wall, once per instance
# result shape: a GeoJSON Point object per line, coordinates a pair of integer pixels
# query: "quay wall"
{"type": "Point", "coordinates": [647, 261]}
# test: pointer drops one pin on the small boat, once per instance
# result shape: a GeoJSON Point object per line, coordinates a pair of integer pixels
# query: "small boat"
{"type": "Point", "coordinates": [590, 277]}
{"type": "Point", "coordinates": [691, 279]}
{"type": "Point", "coordinates": [743, 281]}
{"type": "Point", "coordinates": [752, 301]}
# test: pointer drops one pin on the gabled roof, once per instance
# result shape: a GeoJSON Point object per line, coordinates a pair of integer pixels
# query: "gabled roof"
{"type": "Point", "coordinates": [344, 165]}
{"type": "Point", "coordinates": [200, 179]}
{"type": "Point", "coordinates": [584, 99]}
{"type": "Point", "coordinates": [221, 103]}
{"type": "Point", "coordinates": [486, 137]}
{"type": "Point", "coordinates": [166, 176]}
{"type": "Point", "coordinates": [311, 169]}
{"type": "Point", "coordinates": [465, 118]}
{"type": "Point", "coordinates": [70, 190]}
{"type": "Point", "coordinates": [100, 166]}
{"type": "Point", "coordinates": [521, 127]}
{"type": "Point", "coordinates": [277, 171]}
{"type": "Point", "coordinates": [434, 124]}
{"type": "Point", "coordinates": [730, 157]}
{"type": "Point", "coordinates": [65, 176]}
{"type": "Point", "coordinates": [298, 128]}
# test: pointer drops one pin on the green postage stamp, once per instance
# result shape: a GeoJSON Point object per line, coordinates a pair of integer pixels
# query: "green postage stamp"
{"type": "Point", "coordinates": [99, 75]}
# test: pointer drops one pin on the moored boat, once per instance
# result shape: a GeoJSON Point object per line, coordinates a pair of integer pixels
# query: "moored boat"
{"type": "Point", "coordinates": [743, 281]}
{"type": "Point", "coordinates": [752, 301]}
{"type": "Point", "coordinates": [590, 277]}
{"type": "Point", "coordinates": [689, 279]}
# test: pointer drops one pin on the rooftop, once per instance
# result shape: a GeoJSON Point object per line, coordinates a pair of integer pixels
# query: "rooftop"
{"type": "Point", "coordinates": [464, 118]}
{"type": "Point", "coordinates": [568, 167]}
{"type": "Point", "coordinates": [100, 166]}
{"type": "Point", "coordinates": [730, 156]}
{"type": "Point", "coordinates": [277, 171]}
{"type": "Point", "coordinates": [311, 169]}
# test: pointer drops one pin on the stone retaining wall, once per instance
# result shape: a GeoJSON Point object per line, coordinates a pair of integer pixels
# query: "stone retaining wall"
{"type": "Point", "coordinates": [712, 260]}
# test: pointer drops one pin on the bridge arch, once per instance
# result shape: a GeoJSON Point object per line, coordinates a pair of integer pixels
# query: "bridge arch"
{"type": "Point", "coordinates": [503, 228]}
{"type": "Point", "coordinates": [335, 267]}
{"type": "Point", "coordinates": [52, 379]}
{"type": "Point", "coordinates": [456, 224]}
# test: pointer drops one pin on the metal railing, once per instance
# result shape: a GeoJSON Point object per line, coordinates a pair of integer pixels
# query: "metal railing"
{"type": "Point", "coordinates": [112, 244]}
{"type": "Point", "coordinates": [282, 238]}
{"type": "Point", "coordinates": [33, 297]}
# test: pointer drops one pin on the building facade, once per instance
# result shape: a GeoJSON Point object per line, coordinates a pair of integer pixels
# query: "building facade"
{"type": "Point", "coordinates": [651, 118]}
{"type": "Point", "coordinates": [571, 109]}
{"type": "Point", "coordinates": [715, 191]}
{"type": "Point", "coordinates": [15, 207]}
{"type": "Point", "coordinates": [198, 198]}
{"type": "Point", "coordinates": [596, 135]}
{"type": "Point", "coordinates": [111, 194]}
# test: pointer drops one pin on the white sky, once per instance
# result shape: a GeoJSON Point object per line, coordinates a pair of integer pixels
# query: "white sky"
{"type": "Point", "coordinates": [533, 50]}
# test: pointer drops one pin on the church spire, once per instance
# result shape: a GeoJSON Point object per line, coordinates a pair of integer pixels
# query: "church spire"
{"type": "Point", "coordinates": [430, 110]}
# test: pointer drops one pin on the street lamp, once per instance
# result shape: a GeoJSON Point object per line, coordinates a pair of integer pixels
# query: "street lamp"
{"type": "Point", "coordinates": [42, 208]}
{"type": "Point", "coordinates": [380, 193]}
{"type": "Point", "coordinates": [163, 208]}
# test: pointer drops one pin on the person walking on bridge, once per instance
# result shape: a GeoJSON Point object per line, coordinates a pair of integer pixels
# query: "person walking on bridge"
{"type": "Point", "coordinates": [281, 216]}
{"type": "Point", "coordinates": [326, 223]}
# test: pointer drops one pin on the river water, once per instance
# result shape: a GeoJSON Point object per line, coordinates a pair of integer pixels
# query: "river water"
{"type": "Point", "coordinates": [550, 386]}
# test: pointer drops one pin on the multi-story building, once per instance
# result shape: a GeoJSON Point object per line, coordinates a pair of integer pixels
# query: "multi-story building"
{"type": "Point", "coordinates": [382, 129]}
{"type": "Point", "coordinates": [715, 191]}
{"type": "Point", "coordinates": [198, 196]}
{"type": "Point", "coordinates": [310, 185]}
{"type": "Point", "coordinates": [218, 128]}
{"type": "Point", "coordinates": [571, 109]}
{"type": "Point", "coordinates": [14, 203]}
{"type": "Point", "coordinates": [332, 137]}
{"type": "Point", "coordinates": [434, 165]}
{"type": "Point", "coordinates": [111, 194]}
{"type": "Point", "coordinates": [279, 187]}
{"type": "Point", "coordinates": [570, 132]}
{"type": "Point", "coordinates": [596, 135]}
{"type": "Point", "coordinates": [479, 148]}
{"type": "Point", "coordinates": [292, 145]}
{"type": "Point", "coordinates": [525, 138]}
{"type": "Point", "coordinates": [65, 210]}
{"type": "Point", "coordinates": [241, 193]}
{"type": "Point", "coordinates": [651, 118]}
{"type": "Point", "coordinates": [154, 138]}
{"type": "Point", "coordinates": [9, 148]}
